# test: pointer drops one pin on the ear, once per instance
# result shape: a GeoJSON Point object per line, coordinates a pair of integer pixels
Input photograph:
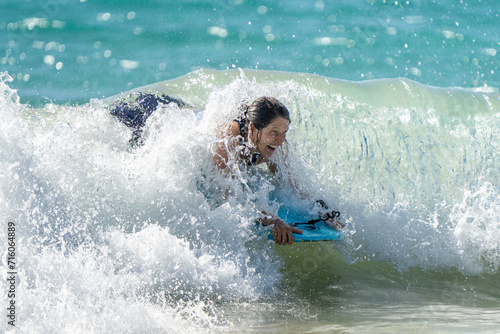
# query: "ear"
{"type": "Point", "coordinates": [251, 129]}
{"type": "Point", "coordinates": [254, 134]}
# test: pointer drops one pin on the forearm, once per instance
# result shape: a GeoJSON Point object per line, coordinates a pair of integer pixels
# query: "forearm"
{"type": "Point", "coordinates": [282, 232]}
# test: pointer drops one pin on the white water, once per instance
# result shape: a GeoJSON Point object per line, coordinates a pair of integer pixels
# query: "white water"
{"type": "Point", "coordinates": [114, 239]}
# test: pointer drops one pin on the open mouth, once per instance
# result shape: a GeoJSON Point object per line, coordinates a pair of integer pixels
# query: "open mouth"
{"type": "Point", "coordinates": [272, 148]}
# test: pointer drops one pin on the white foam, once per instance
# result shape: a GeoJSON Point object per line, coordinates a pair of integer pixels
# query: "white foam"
{"type": "Point", "coordinates": [128, 240]}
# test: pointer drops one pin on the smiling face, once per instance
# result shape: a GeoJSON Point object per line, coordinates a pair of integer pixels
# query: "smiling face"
{"type": "Point", "coordinates": [269, 138]}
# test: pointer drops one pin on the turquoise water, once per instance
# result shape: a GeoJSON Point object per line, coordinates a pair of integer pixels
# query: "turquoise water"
{"type": "Point", "coordinates": [395, 114]}
{"type": "Point", "coordinates": [72, 51]}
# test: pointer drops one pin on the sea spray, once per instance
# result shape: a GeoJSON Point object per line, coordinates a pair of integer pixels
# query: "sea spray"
{"type": "Point", "coordinates": [124, 233]}
{"type": "Point", "coordinates": [119, 238]}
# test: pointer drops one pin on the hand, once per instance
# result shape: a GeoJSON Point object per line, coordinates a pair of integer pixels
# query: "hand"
{"type": "Point", "coordinates": [334, 223]}
{"type": "Point", "coordinates": [332, 220]}
{"type": "Point", "coordinates": [331, 217]}
{"type": "Point", "coordinates": [282, 232]}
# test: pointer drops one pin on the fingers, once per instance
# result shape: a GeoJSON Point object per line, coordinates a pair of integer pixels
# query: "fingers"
{"type": "Point", "coordinates": [278, 238]}
{"type": "Point", "coordinates": [339, 225]}
{"type": "Point", "coordinates": [283, 237]}
{"type": "Point", "coordinates": [283, 234]}
{"type": "Point", "coordinates": [289, 239]}
{"type": "Point", "coordinates": [335, 224]}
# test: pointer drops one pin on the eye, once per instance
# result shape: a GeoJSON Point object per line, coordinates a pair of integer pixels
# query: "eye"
{"type": "Point", "coordinates": [275, 134]}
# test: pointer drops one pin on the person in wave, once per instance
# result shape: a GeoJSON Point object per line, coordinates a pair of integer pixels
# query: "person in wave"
{"type": "Point", "coordinates": [251, 139]}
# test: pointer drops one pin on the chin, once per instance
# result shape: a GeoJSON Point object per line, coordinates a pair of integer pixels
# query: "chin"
{"type": "Point", "coordinates": [269, 154]}
{"type": "Point", "coordinates": [267, 151]}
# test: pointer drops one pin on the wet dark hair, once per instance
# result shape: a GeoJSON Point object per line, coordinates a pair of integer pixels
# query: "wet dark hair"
{"type": "Point", "coordinates": [262, 112]}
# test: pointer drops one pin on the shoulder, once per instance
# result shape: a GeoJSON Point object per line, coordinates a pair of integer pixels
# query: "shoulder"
{"type": "Point", "coordinates": [235, 129]}
{"type": "Point", "coordinates": [230, 130]}
{"type": "Point", "coordinates": [230, 138]}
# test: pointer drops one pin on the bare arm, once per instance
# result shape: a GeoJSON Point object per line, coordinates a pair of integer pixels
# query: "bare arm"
{"type": "Point", "coordinates": [220, 158]}
{"type": "Point", "coordinates": [228, 142]}
{"type": "Point", "coordinates": [282, 232]}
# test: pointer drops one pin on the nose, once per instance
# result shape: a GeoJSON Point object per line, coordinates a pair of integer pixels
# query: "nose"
{"type": "Point", "coordinates": [279, 139]}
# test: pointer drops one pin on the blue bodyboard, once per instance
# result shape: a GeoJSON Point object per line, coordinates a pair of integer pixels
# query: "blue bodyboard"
{"type": "Point", "coordinates": [313, 230]}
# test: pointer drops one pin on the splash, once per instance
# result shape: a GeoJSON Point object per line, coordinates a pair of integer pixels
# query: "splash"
{"type": "Point", "coordinates": [121, 238]}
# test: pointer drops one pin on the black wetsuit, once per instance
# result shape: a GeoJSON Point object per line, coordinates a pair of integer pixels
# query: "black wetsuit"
{"type": "Point", "coordinates": [134, 113]}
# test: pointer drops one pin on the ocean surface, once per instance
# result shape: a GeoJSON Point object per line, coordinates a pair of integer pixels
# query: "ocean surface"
{"type": "Point", "coordinates": [395, 109]}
